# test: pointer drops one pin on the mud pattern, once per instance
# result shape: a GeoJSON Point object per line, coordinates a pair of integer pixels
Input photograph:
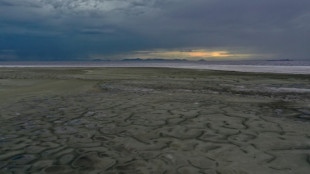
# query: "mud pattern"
{"type": "Point", "coordinates": [152, 120]}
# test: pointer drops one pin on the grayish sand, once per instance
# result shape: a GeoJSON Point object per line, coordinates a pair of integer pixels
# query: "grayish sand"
{"type": "Point", "coordinates": [153, 120]}
{"type": "Point", "coordinates": [282, 67]}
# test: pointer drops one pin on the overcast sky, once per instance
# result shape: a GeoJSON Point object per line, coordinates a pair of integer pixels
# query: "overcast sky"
{"type": "Point", "coordinates": [170, 29]}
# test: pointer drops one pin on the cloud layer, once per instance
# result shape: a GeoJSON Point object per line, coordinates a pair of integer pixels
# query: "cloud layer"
{"type": "Point", "coordinates": [113, 29]}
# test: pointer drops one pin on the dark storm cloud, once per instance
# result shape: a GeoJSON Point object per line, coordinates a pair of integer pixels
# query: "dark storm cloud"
{"type": "Point", "coordinates": [80, 29]}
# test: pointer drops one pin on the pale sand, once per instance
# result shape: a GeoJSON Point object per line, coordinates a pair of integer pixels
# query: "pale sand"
{"type": "Point", "coordinates": [255, 68]}
{"type": "Point", "coordinates": [153, 120]}
{"type": "Point", "coordinates": [282, 69]}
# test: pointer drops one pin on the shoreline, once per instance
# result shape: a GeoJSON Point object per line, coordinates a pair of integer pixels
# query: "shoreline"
{"type": "Point", "coordinates": [277, 69]}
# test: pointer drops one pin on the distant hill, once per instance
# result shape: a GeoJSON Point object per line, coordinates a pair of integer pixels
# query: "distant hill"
{"type": "Point", "coordinates": [154, 60]}
{"type": "Point", "coordinates": [280, 60]}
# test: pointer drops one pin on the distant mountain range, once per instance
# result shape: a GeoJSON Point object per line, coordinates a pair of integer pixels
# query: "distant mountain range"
{"type": "Point", "coordinates": [139, 59]}
{"type": "Point", "coordinates": [181, 60]}
{"type": "Point", "coordinates": [146, 60]}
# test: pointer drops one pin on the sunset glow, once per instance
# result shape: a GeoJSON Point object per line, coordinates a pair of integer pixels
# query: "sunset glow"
{"type": "Point", "coordinates": [191, 55]}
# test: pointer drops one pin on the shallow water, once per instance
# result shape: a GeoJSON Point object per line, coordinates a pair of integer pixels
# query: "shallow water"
{"type": "Point", "coordinates": [142, 120]}
{"type": "Point", "coordinates": [283, 67]}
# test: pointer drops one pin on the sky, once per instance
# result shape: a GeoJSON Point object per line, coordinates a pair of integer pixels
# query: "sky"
{"type": "Point", "coordinates": [54, 30]}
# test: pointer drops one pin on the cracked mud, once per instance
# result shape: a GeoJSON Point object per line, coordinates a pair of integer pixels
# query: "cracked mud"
{"type": "Point", "coordinates": [152, 120]}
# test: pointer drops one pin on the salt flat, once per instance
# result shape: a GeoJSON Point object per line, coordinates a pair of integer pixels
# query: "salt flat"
{"type": "Point", "coordinates": [153, 120]}
{"type": "Point", "coordinates": [255, 68]}
{"type": "Point", "coordinates": [285, 67]}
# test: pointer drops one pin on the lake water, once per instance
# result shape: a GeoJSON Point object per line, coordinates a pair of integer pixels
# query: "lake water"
{"type": "Point", "coordinates": [291, 67]}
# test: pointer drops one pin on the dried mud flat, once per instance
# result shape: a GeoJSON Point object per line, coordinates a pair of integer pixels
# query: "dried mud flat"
{"type": "Point", "coordinates": [153, 120]}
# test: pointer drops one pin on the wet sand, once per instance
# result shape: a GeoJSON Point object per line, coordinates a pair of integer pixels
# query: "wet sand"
{"type": "Point", "coordinates": [279, 67]}
{"type": "Point", "coordinates": [153, 120]}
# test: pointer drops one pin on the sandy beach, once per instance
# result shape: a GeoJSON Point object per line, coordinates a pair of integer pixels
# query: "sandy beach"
{"type": "Point", "coordinates": [279, 67]}
{"type": "Point", "coordinates": [153, 120]}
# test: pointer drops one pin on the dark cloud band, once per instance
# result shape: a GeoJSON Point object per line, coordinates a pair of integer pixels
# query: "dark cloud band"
{"type": "Point", "coordinates": [79, 29]}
